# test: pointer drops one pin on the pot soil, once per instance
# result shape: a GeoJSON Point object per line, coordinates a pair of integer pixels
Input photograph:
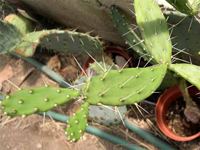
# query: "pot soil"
{"type": "Point", "coordinates": [177, 121]}
{"type": "Point", "coordinates": [165, 106]}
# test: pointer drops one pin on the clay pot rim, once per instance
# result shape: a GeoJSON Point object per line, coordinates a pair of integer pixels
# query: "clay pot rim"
{"type": "Point", "coordinates": [109, 49]}
{"type": "Point", "coordinates": [161, 108]}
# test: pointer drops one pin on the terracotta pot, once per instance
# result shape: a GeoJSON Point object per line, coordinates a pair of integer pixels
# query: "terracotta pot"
{"type": "Point", "coordinates": [108, 50]}
{"type": "Point", "coordinates": [161, 109]}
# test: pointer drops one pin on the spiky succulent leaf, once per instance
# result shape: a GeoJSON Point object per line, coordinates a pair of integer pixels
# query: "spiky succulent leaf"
{"type": "Point", "coordinates": [130, 86]}
{"type": "Point", "coordinates": [26, 102]}
{"type": "Point", "coordinates": [186, 37]}
{"type": "Point", "coordinates": [77, 124]}
{"type": "Point", "coordinates": [94, 66]}
{"type": "Point", "coordinates": [108, 115]}
{"type": "Point", "coordinates": [185, 6]}
{"type": "Point", "coordinates": [23, 24]}
{"type": "Point", "coordinates": [154, 30]}
{"type": "Point", "coordinates": [128, 33]}
{"type": "Point", "coordinates": [10, 37]}
{"type": "Point", "coordinates": [60, 41]}
{"type": "Point", "coordinates": [189, 72]}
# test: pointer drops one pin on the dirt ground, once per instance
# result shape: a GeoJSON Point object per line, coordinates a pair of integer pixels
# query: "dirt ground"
{"type": "Point", "coordinates": [36, 132]}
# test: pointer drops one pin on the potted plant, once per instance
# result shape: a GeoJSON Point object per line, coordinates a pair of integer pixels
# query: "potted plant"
{"type": "Point", "coordinates": [163, 104]}
{"type": "Point", "coordinates": [147, 49]}
{"type": "Point", "coordinates": [112, 87]}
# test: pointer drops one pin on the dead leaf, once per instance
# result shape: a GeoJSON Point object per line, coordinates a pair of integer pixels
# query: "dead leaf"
{"type": "Point", "coordinates": [54, 63]}
{"type": "Point", "coordinates": [6, 74]}
{"type": "Point", "coordinates": [69, 72]}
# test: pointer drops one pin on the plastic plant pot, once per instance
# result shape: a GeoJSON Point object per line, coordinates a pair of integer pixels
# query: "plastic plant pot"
{"type": "Point", "coordinates": [108, 50]}
{"type": "Point", "coordinates": [161, 109]}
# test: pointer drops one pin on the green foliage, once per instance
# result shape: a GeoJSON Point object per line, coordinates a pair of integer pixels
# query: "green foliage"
{"type": "Point", "coordinates": [128, 33]}
{"type": "Point", "coordinates": [185, 6]}
{"type": "Point", "coordinates": [57, 40]}
{"type": "Point", "coordinates": [30, 101]}
{"type": "Point", "coordinates": [10, 37]}
{"type": "Point", "coordinates": [189, 72]}
{"type": "Point", "coordinates": [23, 24]}
{"type": "Point", "coordinates": [129, 86]}
{"type": "Point", "coordinates": [77, 123]}
{"type": "Point", "coordinates": [154, 30]}
{"type": "Point", "coordinates": [107, 116]}
{"type": "Point", "coordinates": [185, 35]}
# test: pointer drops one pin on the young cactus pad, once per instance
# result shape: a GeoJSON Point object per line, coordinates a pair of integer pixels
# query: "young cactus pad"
{"type": "Point", "coordinates": [77, 123]}
{"type": "Point", "coordinates": [124, 87]}
{"type": "Point", "coordinates": [26, 102]}
{"type": "Point", "coordinates": [189, 72]}
{"type": "Point", "coordinates": [23, 24]}
{"type": "Point", "coordinates": [10, 36]}
{"type": "Point", "coordinates": [154, 30]}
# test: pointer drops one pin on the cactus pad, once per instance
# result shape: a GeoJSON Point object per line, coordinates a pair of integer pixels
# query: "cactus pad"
{"type": "Point", "coordinates": [185, 6]}
{"type": "Point", "coordinates": [60, 41]}
{"type": "Point", "coordinates": [23, 24]}
{"type": "Point", "coordinates": [10, 37]}
{"type": "Point", "coordinates": [107, 116]}
{"type": "Point", "coordinates": [154, 30]}
{"type": "Point", "coordinates": [129, 86]}
{"type": "Point", "coordinates": [189, 72]}
{"type": "Point", "coordinates": [128, 33]}
{"type": "Point", "coordinates": [26, 102]}
{"type": "Point", "coordinates": [185, 38]}
{"type": "Point", "coordinates": [77, 124]}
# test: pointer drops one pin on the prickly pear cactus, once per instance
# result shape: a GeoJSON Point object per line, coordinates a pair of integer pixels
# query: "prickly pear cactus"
{"type": "Point", "coordinates": [189, 72]}
{"type": "Point", "coordinates": [30, 101]}
{"type": "Point", "coordinates": [107, 115]}
{"type": "Point", "coordinates": [187, 36]}
{"type": "Point", "coordinates": [128, 33]}
{"type": "Point", "coordinates": [57, 40]}
{"type": "Point", "coordinates": [189, 7]}
{"type": "Point", "coordinates": [23, 24]}
{"type": "Point", "coordinates": [117, 88]}
{"type": "Point", "coordinates": [60, 41]}
{"type": "Point", "coordinates": [10, 37]}
{"type": "Point", "coordinates": [154, 30]}
{"type": "Point", "coordinates": [77, 124]}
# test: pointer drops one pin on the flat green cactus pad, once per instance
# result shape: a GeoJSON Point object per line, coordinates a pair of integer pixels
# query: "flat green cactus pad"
{"type": "Point", "coordinates": [154, 30]}
{"type": "Point", "coordinates": [186, 38]}
{"type": "Point", "coordinates": [77, 124]}
{"type": "Point", "coordinates": [108, 115]}
{"type": "Point", "coordinates": [185, 6]}
{"type": "Point", "coordinates": [130, 86]}
{"type": "Point", "coordinates": [128, 33]}
{"type": "Point", "coordinates": [23, 24]}
{"type": "Point", "coordinates": [10, 37]}
{"type": "Point", "coordinates": [26, 102]}
{"type": "Point", "coordinates": [60, 41]}
{"type": "Point", "coordinates": [189, 72]}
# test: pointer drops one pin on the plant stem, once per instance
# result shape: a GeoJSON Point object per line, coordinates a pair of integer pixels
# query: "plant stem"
{"type": "Point", "coordinates": [184, 90]}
